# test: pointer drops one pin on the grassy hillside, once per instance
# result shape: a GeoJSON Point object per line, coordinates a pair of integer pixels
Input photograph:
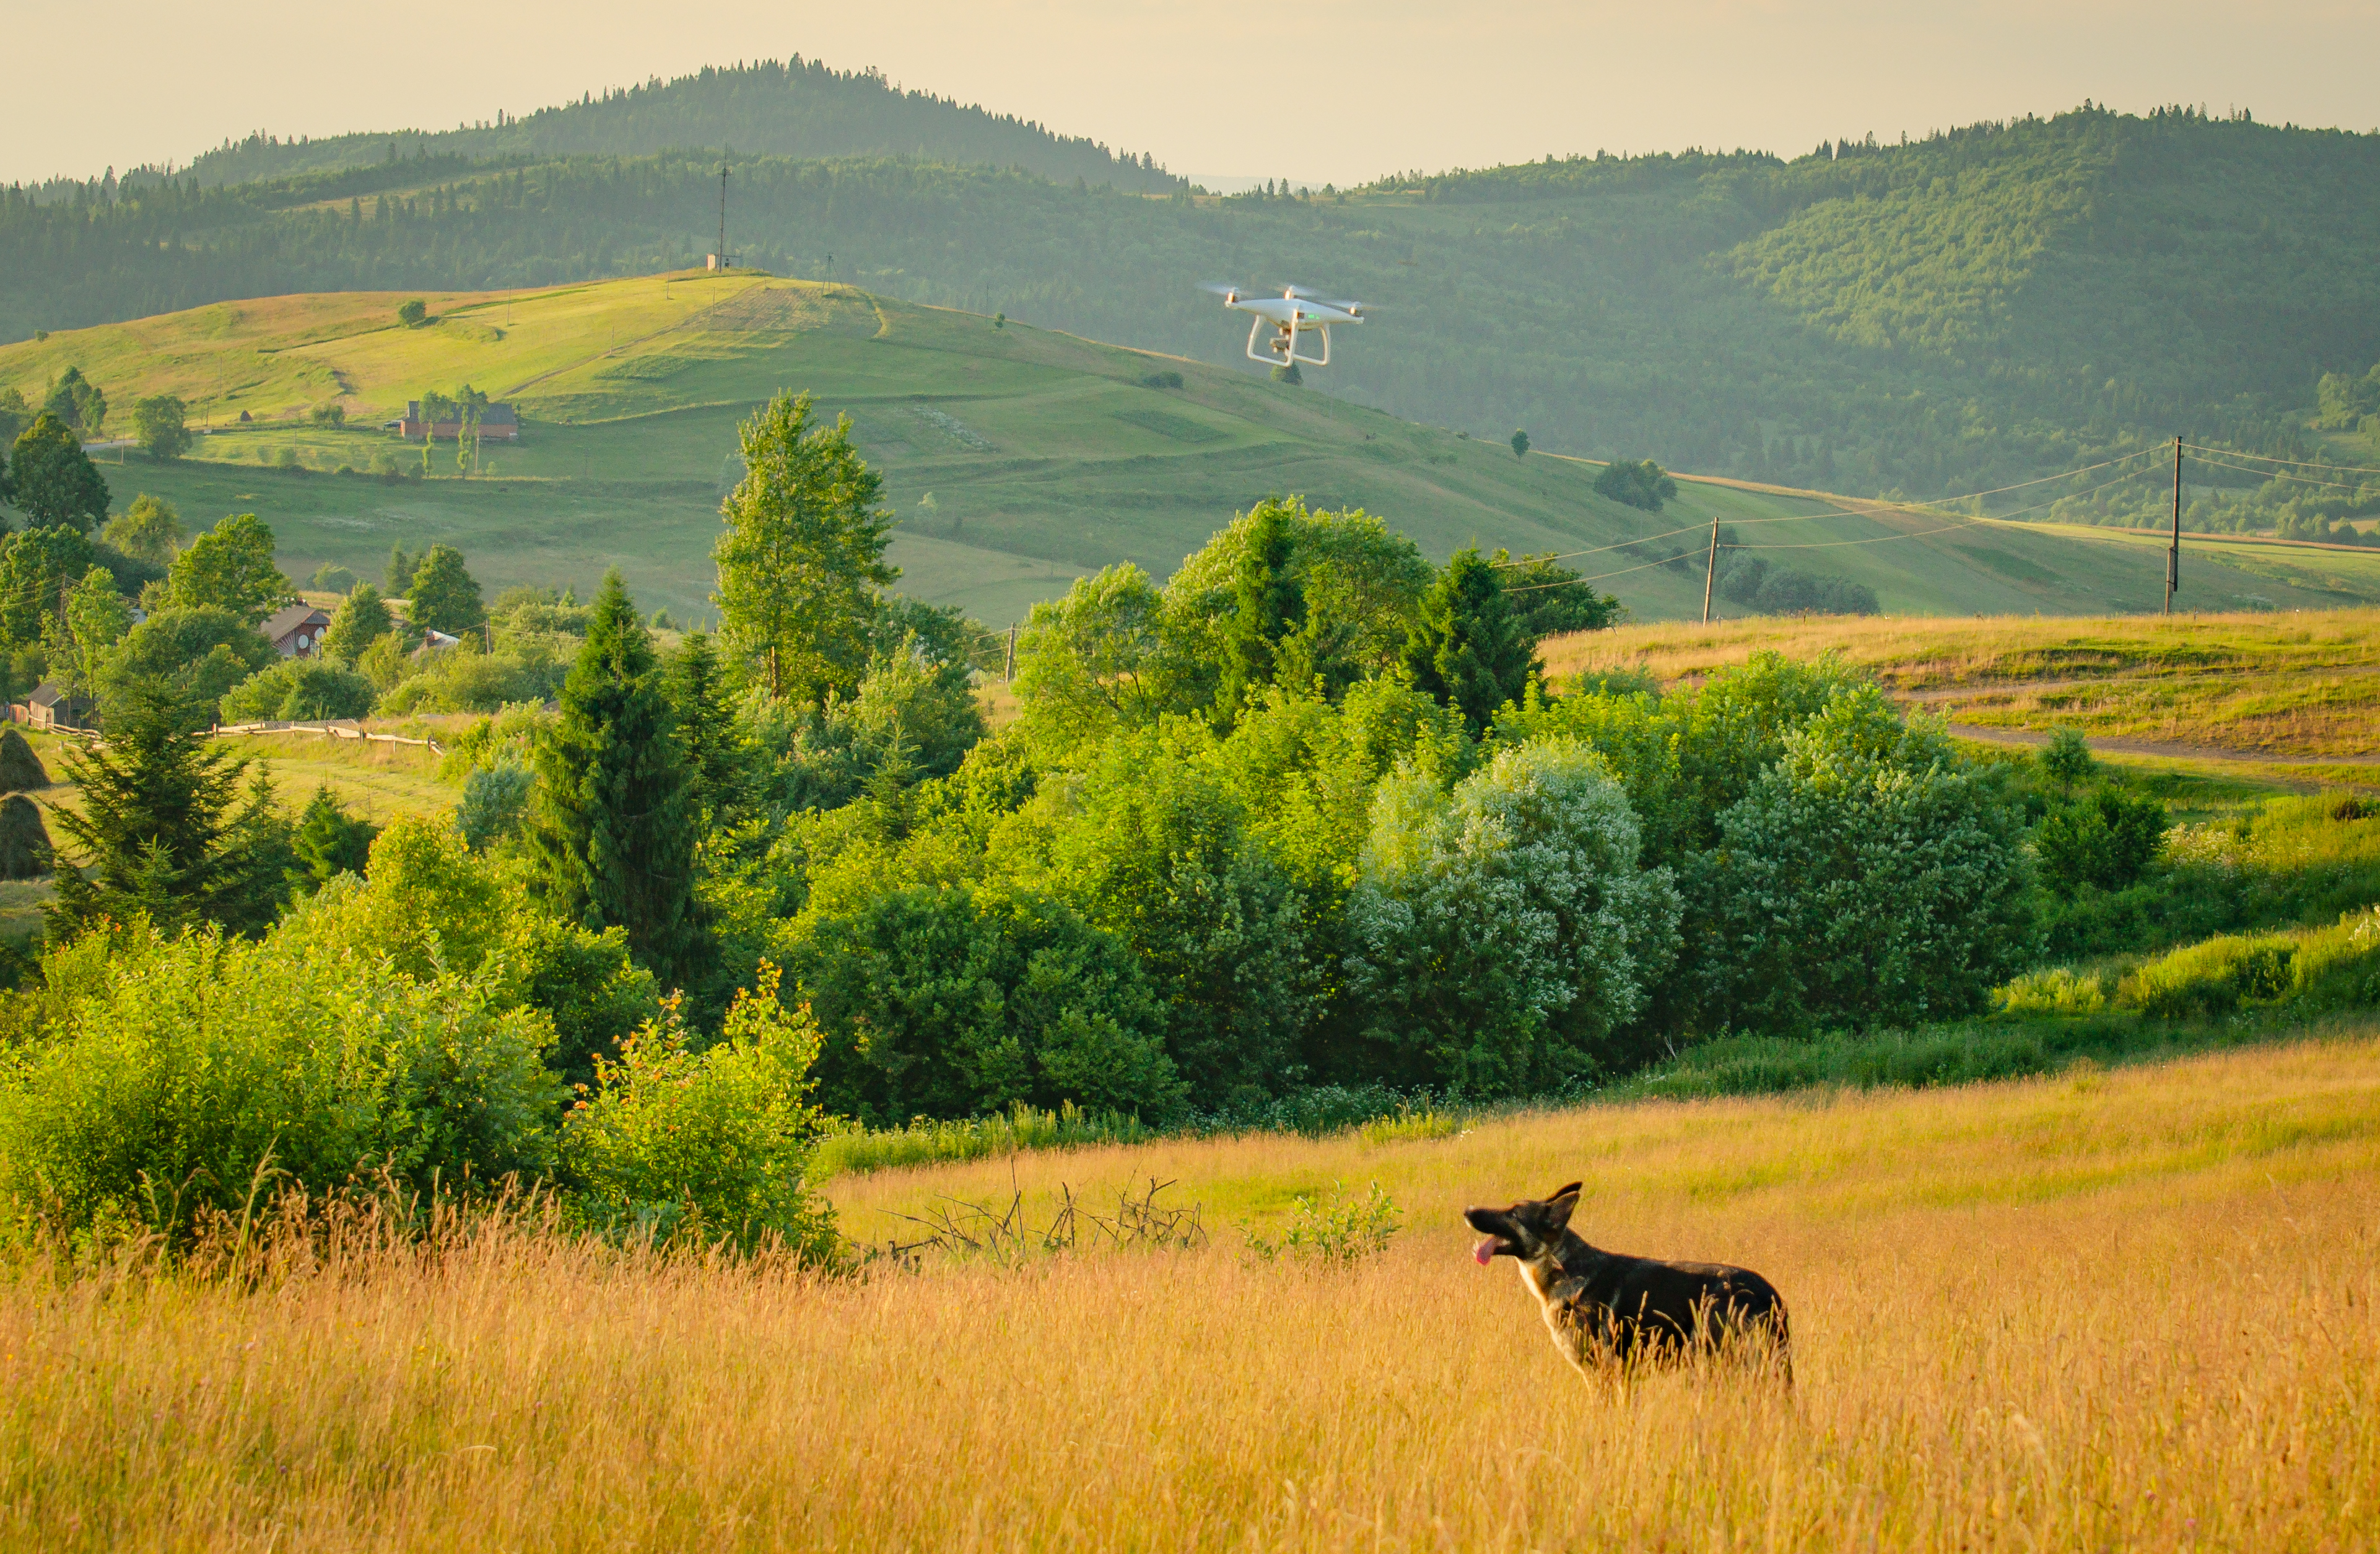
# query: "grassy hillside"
{"type": "Point", "coordinates": [2294, 699]}
{"type": "Point", "coordinates": [1940, 317]}
{"type": "Point", "coordinates": [2122, 1309]}
{"type": "Point", "coordinates": [1046, 455]}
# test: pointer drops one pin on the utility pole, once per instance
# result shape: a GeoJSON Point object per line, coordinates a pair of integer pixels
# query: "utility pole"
{"type": "Point", "coordinates": [2173, 555]}
{"type": "Point", "coordinates": [721, 255]}
{"type": "Point", "coordinates": [1710, 569]}
{"type": "Point", "coordinates": [1009, 671]}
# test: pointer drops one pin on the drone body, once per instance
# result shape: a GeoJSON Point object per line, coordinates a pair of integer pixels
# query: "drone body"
{"type": "Point", "coordinates": [1280, 321]}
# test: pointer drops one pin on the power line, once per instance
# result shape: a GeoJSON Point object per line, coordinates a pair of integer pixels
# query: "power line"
{"type": "Point", "coordinates": [2302, 462]}
{"type": "Point", "coordinates": [1846, 507]}
{"type": "Point", "coordinates": [2280, 474]}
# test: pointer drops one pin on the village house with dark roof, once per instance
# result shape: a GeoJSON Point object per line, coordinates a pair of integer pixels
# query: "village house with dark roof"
{"type": "Point", "coordinates": [295, 630]}
{"type": "Point", "coordinates": [497, 424]}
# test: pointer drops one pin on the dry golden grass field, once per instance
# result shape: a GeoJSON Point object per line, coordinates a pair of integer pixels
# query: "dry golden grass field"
{"type": "Point", "coordinates": [2132, 1309]}
{"type": "Point", "coordinates": [2295, 694]}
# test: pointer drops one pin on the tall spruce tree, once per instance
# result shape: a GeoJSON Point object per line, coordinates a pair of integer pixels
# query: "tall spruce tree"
{"type": "Point", "coordinates": [1470, 650]}
{"type": "Point", "coordinates": [615, 828]}
{"type": "Point", "coordinates": [706, 728]}
{"type": "Point", "coordinates": [1267, 606]}
{"type": "Point", "coordinates": [156, 834]}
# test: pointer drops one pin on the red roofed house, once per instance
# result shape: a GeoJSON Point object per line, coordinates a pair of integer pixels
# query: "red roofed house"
{"type": "Point", "coordinates": [295, 630]}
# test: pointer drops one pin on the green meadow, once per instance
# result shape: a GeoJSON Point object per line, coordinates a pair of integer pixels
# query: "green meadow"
{"type": "Point", "coordinates": [1017, 458]}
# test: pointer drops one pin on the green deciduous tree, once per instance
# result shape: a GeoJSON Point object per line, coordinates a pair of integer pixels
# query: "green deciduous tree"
{"type": "Point", "coordinates": [1639, 482]}
{"type": "Point", "coordinates": [298, 691]}
{"type": "Point", "coordinates": [158, 426]}
{"type": "Point", "coordinates": [81, 639]}
{"type": "Point", "coordinates": [361, 619]}
{"type": "Point", "coordinates": [2108, 840]}
{"type": "Point", "coordinates": [411, 313]}
{"type": "Point", "coordinates": [1502, 936]}
{"type": "Point", "coordinates": [1468, 648]}
{"type": "Point", "coordinates": [1520, 444]}
{"type": "Point", "coordinates": [802, 558]}
{"type": "Point", "coordinates": [615, 829]}
{"type": "Point", "coordinates": [1865, 879]}
{"type": "Point", "coordinates": [442, 595]}
{"type": "Point", "coordinates": [37, 569]}
{"type": "Point", "coordinates": [1096, 661]}
{"type": "Point", "coordinates": [76, 400]}
{"type": "Point", "coordinates": [149, 529]}
{"type": "Point", "coordinates": [229, 567]}
{"type": "Point", "coordinates": [53, 479]}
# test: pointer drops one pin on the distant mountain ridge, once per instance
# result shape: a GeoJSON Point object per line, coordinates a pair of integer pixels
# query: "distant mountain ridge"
{"type": "Point", "coordinates": [797, 108]}
{"type": "Point", "coordinates": [1951, 315]}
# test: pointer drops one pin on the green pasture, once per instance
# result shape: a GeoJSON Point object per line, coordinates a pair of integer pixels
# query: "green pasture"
{"type": "Point", "coordinates": [1046, 456]}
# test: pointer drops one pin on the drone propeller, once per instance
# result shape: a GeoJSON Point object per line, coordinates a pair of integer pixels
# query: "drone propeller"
{"type": "Point", "coordinates": [1223, 290]}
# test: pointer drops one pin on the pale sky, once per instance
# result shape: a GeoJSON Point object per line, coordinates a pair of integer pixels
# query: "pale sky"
{"type": "Point", "coordinates": [1312, 88]}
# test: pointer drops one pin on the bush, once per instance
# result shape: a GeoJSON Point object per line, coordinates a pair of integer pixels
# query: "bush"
{"type": "Point", "coordinates": [2313, 970]}
{"type": "Point", "coordinates": [1866, 879]}
{"type": "Point", "coordinates": [1333, 1232]}
{"type": "Point", "coordinates": [2055, 991]}
{"type": "Point", "coordinates": [20, 769]}
{"type": "Point", "coordinates": [2214, 977]}
{"type": "Point", "coordinates": [198, 1070]}
{"type": "Point", "coordinates": [298, 691]}
{"type": "Point", "coordinates": [707, 1148]}
{"type": "Point", "coordinates": [939, 1001]}
{"type": "Point", "coordinates": [2107, 840]}
{"type": "Point", "coordinates": [24, 840]}
{"type": "Point", "coordinates": [1503, 938]}
{"type": "Point", "coordinates": [1639, 484]}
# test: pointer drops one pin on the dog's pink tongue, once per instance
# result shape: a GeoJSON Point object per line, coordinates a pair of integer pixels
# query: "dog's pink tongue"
{"type": "Point", "coordinates": [1486, 1251]}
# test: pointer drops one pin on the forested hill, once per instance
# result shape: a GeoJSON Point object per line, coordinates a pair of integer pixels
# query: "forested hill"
{"type": "Point", "coordinates": [800, 109]}
{"type": "Point", "coordinates": [1939, 316]}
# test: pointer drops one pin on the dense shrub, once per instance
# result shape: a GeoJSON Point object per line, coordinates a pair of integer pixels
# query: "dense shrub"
{"type": "Point", "coordinates": [197, 1070]}
{"type": "Point", "coordinates": [950, 1003]}
{"type": "Point", "coordinates": [495, 805]}
{"type": "Point", "coordinates": [1149, 846]}
{"type": "Point", "coordinates": [2327, 968]}
{"type": "Point", "coordinates": [298, 690]}
{"type": "Point", "coordinates": [1503, 936]}
{"type": "Point", "coordinates": [707, 1147]}
{"type": "Point", "coordinates": [1865, 880]}
{"type": "Point", "coordinates": [2107, 840]}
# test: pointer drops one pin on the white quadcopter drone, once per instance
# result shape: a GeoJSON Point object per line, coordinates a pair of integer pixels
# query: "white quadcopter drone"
{"type": "Point", "coordinates": [1294, 312]}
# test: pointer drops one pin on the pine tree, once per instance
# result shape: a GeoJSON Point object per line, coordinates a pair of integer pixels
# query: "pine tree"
{"type": "Point", "coordinates": [1267, 606]}
{"type": "Point", "coordinates": [152, 832]}
{"type": "Point", "coordinates": [615, 828]}
{"type": "Point", "coordinates": [1470, 650]}
{"type": "Point", "coordinates": [401, 568]}
{"type": "Point", "coordinates": [707, 729]}
{"type": "Point", "coordinates": [329, 842]}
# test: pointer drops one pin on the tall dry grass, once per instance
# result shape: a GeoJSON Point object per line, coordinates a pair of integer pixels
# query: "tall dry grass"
{"type": "Point", "coordinates": [2131, 1310]}
{"type": "Point", "coordinates": [2305, 684]}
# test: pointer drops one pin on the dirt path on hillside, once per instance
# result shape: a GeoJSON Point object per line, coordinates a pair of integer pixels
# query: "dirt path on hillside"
{"type": "Point", "coordinates": [2155, 747]}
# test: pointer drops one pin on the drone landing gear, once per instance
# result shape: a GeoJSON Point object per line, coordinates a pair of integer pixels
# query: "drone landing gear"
{"type": "Point", "coordinates": [1281, 349]}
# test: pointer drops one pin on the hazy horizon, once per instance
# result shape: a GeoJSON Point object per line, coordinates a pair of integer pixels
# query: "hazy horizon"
{"type": "Point", "coordinates": [1329, 92]}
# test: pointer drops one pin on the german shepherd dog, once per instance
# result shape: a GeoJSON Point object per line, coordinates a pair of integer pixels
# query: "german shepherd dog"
{"type": "Point", "coordinates": [1605, 1309]}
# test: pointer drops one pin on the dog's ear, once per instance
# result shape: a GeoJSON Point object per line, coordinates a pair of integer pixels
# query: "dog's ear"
{"type": "Point", "coordinates": [1559, 1206]}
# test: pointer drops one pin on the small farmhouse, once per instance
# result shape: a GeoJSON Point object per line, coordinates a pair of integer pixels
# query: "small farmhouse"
{"type": "Point", "coordinates": [52, 707]}
{"type": "Point", "coordinates": [498, 423]}
{"type": "Point", "coordinates": [295, 630]}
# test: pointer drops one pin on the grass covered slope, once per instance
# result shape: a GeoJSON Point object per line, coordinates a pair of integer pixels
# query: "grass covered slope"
{"type": "Point", "coordinates": [1046, 455]}
{"type": "Point", "coordinates": [2019, 1317]}
{"type": "Point", "coordinates": [2285, 690]}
